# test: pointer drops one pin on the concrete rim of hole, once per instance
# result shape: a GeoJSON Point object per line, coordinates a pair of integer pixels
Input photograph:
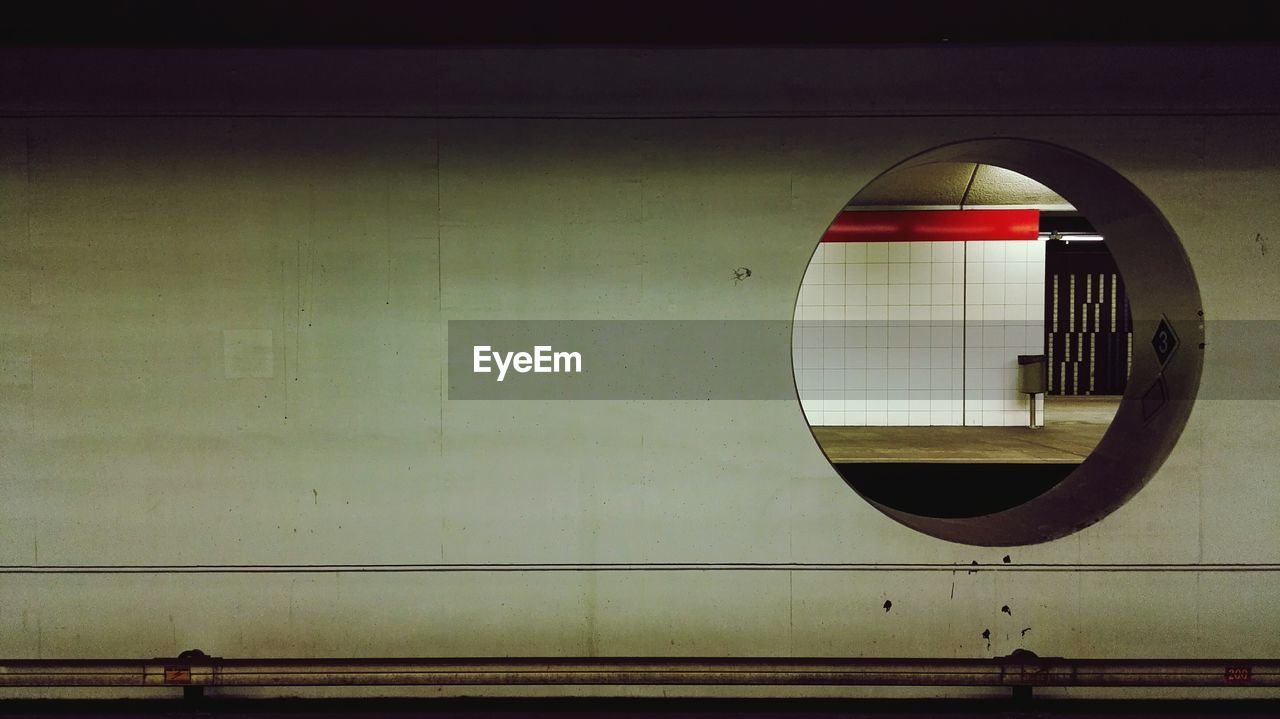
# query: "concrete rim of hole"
{"type": "Point", "coordinates": [1158, 399]}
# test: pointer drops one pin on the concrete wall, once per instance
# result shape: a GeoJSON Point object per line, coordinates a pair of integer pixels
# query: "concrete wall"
{"type": "Point", "coordinates": [223, 343]}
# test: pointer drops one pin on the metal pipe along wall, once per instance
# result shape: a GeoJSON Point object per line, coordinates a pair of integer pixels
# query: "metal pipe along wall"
{"type": "Point", "coordinates": [1018, 670]}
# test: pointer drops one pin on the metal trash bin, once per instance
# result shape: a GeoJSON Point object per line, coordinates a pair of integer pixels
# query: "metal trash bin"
{"type": "Point", "coordinates": [1033, 379]}
{"type": "Point", "coordinates": [1032, 374]}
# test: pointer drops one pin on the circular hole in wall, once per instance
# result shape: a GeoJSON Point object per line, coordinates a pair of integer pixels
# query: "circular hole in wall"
{"type": "Point", "coordinates": [998, 341]}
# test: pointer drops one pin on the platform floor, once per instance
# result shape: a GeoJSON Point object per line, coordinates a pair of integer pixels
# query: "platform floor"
{"type": "Point", "coordinates": [1073, 426]}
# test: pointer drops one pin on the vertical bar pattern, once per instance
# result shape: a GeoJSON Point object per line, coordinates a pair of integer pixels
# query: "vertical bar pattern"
{"type": "Point", "coordinates": [1091, 354]}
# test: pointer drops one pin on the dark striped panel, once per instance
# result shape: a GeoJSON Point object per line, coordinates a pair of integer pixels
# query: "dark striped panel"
{"type": "Point", "coordinates": [1088, 325]}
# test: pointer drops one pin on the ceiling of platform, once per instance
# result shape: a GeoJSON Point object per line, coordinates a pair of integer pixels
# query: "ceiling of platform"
{"type": "Point", "coordinates": [957, 185]}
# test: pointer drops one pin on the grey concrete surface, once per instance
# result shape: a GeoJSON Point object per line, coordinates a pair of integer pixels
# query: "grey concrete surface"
{"type": "Point", "coordinates": [223, 344]}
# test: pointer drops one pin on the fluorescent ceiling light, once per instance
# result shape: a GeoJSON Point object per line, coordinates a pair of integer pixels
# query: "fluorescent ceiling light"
{"type": "Point", "coordinates": [1069, 237]}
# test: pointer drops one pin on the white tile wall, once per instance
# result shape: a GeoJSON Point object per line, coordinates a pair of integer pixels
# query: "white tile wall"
{"type": "Point", "coordinates": [1002, 320]}
{"type": "Point", "coordinates": [881, 335]}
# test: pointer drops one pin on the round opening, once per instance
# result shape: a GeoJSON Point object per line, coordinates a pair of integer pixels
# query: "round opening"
{"type": "Point", "coordinates": [998, 341]}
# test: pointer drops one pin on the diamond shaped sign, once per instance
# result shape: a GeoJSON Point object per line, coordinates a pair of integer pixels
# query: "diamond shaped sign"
{"type": "Point", "coordinates": [1164, 341]}
{"type": "Point", "coordinates": [1154, 398]}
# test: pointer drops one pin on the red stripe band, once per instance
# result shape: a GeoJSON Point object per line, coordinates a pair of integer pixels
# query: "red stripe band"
{"type": "Point", "coordinates": [934, 226]}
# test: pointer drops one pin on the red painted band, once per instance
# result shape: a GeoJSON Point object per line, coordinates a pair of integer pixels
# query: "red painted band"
{"type": "Point", "coordinates": [934, 226]}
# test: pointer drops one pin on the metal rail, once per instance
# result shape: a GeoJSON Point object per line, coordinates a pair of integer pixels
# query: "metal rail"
{"type": "Point", "coordinates": [1022, 669]}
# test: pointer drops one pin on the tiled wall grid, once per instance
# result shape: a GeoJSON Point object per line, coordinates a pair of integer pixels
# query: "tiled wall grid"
{"type": "Point", "coordinates": [918, 333]}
